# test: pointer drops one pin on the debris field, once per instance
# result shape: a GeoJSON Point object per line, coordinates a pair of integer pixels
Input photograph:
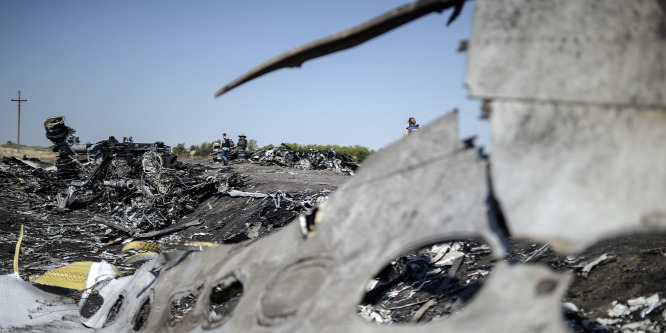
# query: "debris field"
{"type": "Point", "coordinates": [618, 284]}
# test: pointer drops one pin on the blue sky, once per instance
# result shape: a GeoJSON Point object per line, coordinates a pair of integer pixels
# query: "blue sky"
{"type": "Point", "coordinates": [150, 69]}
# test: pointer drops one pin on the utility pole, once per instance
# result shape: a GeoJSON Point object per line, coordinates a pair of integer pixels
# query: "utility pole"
{"type": "Point", "coordinates": [18, 134]}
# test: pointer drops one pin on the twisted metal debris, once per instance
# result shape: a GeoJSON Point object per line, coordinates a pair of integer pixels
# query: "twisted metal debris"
{"type": "Point", "coordinates": [327, 159]}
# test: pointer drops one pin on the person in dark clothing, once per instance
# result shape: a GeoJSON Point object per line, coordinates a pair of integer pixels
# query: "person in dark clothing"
{"type": "Point", "coordinates": [413, 126]}
{"type": "Point", "coordinates": [226, 146]}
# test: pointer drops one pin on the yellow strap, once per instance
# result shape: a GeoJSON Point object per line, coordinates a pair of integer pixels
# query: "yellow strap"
{"type": "Point", "coordinates": [16, 252]}
{"type": "Point", "coordinates": [143, 256]}
{"type": "Point", "coordinates": [188, 246]}
{"type": "Point", "coordinates": [139, 245]}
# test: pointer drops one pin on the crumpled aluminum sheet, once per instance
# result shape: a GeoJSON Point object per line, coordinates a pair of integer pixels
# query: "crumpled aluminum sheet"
{"type": "Point", "coordinates": [294, 283]}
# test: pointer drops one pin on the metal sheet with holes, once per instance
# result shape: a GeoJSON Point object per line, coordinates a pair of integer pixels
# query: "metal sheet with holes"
{"type": "Point", "coordinates": [574, 174]}
{"type": "Point", "coordinates": [608, 52]}
{"type": "Point", "coordinates": [297, 284]}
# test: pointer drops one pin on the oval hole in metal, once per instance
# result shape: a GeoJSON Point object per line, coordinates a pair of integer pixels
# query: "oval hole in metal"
{"type": "Point", "coordinates": [428, 283]}
{"type": "Point", "coordinates": [181, 306]}
{"type": "Point", "coordinates": [223, 300]}
{"type": "Point", "coordinates": [113, 313]}
{"type": "Point", "coordinates": [141, 318]}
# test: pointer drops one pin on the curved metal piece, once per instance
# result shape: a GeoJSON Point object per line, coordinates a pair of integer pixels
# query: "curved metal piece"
{"type": "Point", "coordinates": [347, 38]}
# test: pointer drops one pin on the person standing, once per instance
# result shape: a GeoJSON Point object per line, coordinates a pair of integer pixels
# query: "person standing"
{"type": "Point", "coordinates": [413, 126]}
{"type": "Point", "coordinates": [226, 146]}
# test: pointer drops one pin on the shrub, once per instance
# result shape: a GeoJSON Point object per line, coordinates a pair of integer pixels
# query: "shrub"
{"type": "Point", "coordinates": [359, 152]}
{"type": "Point", "coordinates": [180, 150]}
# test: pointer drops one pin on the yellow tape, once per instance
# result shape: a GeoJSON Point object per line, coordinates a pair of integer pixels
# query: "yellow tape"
{"type": "Point", "coordinates": [16, 252]}
{"type": "Point", "coordinates": [139, 245]}
{"type": "Point", "coordinates": [71, 276]}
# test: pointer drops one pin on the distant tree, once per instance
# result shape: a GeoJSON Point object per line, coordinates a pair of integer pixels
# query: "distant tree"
{"type": "Point", "coordinates": [357, 151]}
{"type": "Point", "coordinates": [205, 150]}
{"type": "Point", "coordinates": [251, 144]}
{"type": "Point", "coordinates": [71, 138]}
{"type": "Point", "coordinates": [180, 150]}
{"type": "Point", "coordinates": [270, 146]}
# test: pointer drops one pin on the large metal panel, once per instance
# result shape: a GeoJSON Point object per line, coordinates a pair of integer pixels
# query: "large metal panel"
{"type": "Point", "coordinates": [572, 174]}
{"type": "Point", "coordinates": [591, 51]}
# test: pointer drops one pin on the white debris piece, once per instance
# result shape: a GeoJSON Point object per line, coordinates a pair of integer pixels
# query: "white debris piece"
{"type": "Point", "coordinates": [438, 251]}
{"type": "Point", "coordinates": [572, 259]}
{"type": "Point", "coordinates": [449, 258]}
{"type": "Point", "coordinates": [379, 315]}
{"type": "Point", "coordinates": [569, 307]}
{"type": "Point", "coordinates": [645, 326]}
{"type": "Point", "coordinates": [371, 284]}
{"type": "Point", "coordinates": [619, 310]}
{"type": "Point", "coordinates": [646, 304]}
{"type": "Point", "coordinates": [637, 303]}
{"type": "Point", "coordinates": [395, 292]}
{"type": "Point", "coordinates": [652, 303]}
{"type": "Point", "coordinates": [236, 193]}
{"type": "Point", "coordinates": [603, 258]}
{"type": "Point", "coordinates": [608, 321]}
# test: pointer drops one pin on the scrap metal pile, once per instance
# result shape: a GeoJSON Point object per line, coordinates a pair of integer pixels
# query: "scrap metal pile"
{"type": "Point", "coordinates": [327, 159]}
{"type": "Point", "coordinates": [428, 284]}
{"type": "Point", "coordinates": [142, 186]}
{"type": "Point", "coordinates": [437, 281]}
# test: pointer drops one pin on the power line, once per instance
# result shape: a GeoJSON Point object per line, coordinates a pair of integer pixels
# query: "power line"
{"type": "Point", "coordinates": [18, 134]}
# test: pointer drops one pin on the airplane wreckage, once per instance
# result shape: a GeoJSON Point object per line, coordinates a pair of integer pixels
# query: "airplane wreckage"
{"type": "Point", "coordinates": [578, 127]}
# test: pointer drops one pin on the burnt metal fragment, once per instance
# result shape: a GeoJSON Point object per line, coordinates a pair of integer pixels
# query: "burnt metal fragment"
{"type": "Point", "coordinates": [349, 38]}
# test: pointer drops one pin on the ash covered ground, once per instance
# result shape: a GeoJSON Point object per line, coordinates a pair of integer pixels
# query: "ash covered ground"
{"type": "Point", "coordinates": [430, 283]}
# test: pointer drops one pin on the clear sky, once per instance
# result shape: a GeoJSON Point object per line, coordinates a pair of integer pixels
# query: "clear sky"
{"type": "Point", "coordinates": [150, 69]}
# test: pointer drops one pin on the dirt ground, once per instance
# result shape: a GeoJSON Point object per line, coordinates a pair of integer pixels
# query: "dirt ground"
{"type": "Point", "coordinates": [53, 239]}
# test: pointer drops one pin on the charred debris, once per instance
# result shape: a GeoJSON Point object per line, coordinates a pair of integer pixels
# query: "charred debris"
{"type": "Point", "coordinates": [108, 192]}
{"type": "Point", "coordinates": [115, 192]}
{"type": "Point", "coordinates": [141, 186]}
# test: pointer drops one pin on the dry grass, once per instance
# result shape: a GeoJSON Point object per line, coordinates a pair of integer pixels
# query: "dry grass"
{"type": "Point", "coordinates": [43, 153]}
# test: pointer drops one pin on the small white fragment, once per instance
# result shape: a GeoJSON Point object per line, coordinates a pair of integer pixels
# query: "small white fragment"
{"type": "Point", "coordinates": [639, 326]}
{"type": "Point", "coordinates": [371, 284]}
{"type": "Point", "coordinates": [608, 321]}
{"type": "Point", "coordinates": [595, 262]}
{"type": "Point", "coordinates": [438, 251]}
{"type": "Point", "coordinates": [449, 259]}
{"type": "Point", "coordinates": [638, 301]}
{"type": "Point", "coordinates": [652, 303]}
{"type": "Point", "coordinates": [654, 299]}
{"type": "Point", "coordinates": [569, 307]}
{"type": "Point", "coordinates": [619, 310]}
